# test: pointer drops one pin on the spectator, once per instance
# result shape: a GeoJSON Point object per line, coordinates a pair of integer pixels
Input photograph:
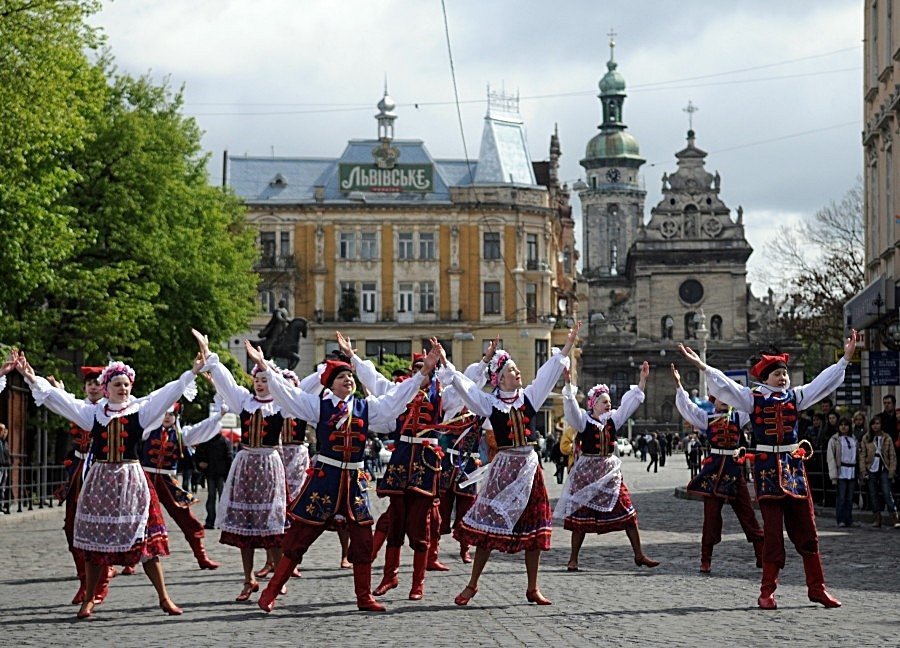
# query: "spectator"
{"type": "Point", "coordinates": [663, 448]}
{"type": "Point", "coordinates": [214, 459]}
{"type": "Point", "coordinates": [653, 450]}
{"type": "Point", "coordinates": [842, 460]}
{"type": "Point", "coordinates": [826, 406]}
{"type": "Point", "coordinates": [859, 425]}
{"type": "Point", "coordinates": [814, 430]}
{"type": "Point", "coordinates": [642, 446]}
{"type": "Point", "coordinates": [878, 463]}
{"type": "Point", "coordinates": [693, 452]}
{"type": "Point", "coordinates": [889, 416]}
{"type": "Point", "coordinates": [5, 463]}
{"type": "Point", "coordinates": [830, 429]}
{"type": "Point", "coordinates": [559, 460]}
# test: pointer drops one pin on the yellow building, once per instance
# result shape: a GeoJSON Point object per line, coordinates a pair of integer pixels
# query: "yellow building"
{"type": "Point", "coordinates": [392, 246]}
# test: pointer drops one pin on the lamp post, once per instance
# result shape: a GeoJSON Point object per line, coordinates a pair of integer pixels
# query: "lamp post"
{"type": "Point", "coordinates": [702, 335]}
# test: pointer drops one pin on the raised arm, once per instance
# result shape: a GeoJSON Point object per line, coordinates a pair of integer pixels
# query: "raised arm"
{"type": "Point", "coordinates": [54, 399]}
{"type": "Point", "coordinates": [155, 404]}
{"type": "Point", "coordinates": [469, 392]}
{"type": "Point", "coordinates": [632, 399]}
{"type": "Point", "coordinates": [384, 409]}
{"type": "Point", "coordinates": [550, 371]}
{"type": "Point", "coordinates": [294, 402]}
{"type": "Point", "coordinates": [203, 431]}
{"type": "Point", "coordinates": [829, 380]}
{"type": "Point", "coordinates": [690, 411]}
{"type": "Point", "coordinates": [575, 416]}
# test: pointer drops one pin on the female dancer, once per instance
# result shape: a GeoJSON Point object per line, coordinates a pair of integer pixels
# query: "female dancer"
{"type": "Point", "coordinates": [119, 520]}
{"type": "Point", "coordinates": [251, 511]}
{"type": "Point", "coordinates": [778, 472]}
{"type": "Point", "coordinates": [595, 498]}
{"type": "Point", "coordinates": [512, 511]}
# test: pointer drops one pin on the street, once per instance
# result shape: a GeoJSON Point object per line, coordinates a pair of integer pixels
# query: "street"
{"type": "Point", "coordinates": [609, 602]}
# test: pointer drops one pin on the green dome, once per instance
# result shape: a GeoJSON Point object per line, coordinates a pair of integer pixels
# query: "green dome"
{"type": "Point", "coordinates": [612, 82]}
{"type": "Point", "coordinates": [612, 144]}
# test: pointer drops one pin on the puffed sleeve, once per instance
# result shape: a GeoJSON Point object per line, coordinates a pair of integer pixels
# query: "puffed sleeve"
{"type": "Point", "coordinates": [826, 382]}
{"type": "Point", "coordinates": [471, 394]}
{"type": "Point", "coordinates": [575, 416]}
{"type": "Point", "coordinates": [155, 404]}
{"type": "Point", "coordinates": [546, 377]}
{"type": "Point", "coordinates": [205, 430]}
{"type": "Point", "coordinates": [370, 377]}
{"type": "Point", "coordinates": [293, 401]}
{"type": "Point", "coordinates": [63, 403]}
{"type": "Point", "coordinates": [690, 411]}
{"type": "Point", "coordinates": [725, 389]}
{"type": "Point", "coordinates": [630, 402]}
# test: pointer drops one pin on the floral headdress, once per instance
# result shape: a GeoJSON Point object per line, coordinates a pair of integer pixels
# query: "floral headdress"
{"type": "Point", "coordinates": [269, 365]}
{"type": "Point", "coordinates": [113, 369]}
{"type": "Point", "coordinates": [291, 377]}
{"type": "Point", "coordinates": [594, 393]}
{"type": "Point", "coordinates": [495, 366]}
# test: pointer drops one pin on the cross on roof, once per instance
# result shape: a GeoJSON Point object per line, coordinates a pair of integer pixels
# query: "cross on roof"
{"type": "Point", "coordinates": [690, 109]}
{"type": "Point", "coordinates": [612, 43]}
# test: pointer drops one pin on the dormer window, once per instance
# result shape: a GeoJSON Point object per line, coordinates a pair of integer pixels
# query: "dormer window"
{"type": "Point", "coordinates": [278, 181]}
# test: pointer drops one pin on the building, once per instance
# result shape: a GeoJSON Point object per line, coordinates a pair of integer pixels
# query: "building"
{"type": "Point", "coordinates": [873, 311]}
{"type": "Point", "coordinates": [679, 276]}
{"type": "Point", "coordinates": [392, 246]}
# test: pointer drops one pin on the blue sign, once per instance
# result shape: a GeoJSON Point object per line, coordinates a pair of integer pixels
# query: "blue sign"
{"type": "Point", "coordinates": [884, 368]}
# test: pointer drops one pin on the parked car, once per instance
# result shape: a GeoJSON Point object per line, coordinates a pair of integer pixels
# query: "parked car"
{"type": "Point", "coordinates": [387, 447]}
{"type": "Point", "coordinates": [624, 447]}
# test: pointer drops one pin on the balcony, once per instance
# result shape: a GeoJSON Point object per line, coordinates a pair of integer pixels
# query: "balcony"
{"type": "Point", "coordinates": [278, 263]}
{"type": "Point", "coordinates": [534, 264]}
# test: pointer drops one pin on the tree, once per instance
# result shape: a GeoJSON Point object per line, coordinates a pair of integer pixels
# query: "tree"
{"type": "Point", "coordinates": [118, 242]}
{"type": "Point", "coordinates": [821, 263]}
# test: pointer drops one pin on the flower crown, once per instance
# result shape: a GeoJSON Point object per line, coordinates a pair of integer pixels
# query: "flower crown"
{"type": "Point", "coordinates": [594, 393]}
{"type": "Point", "coordinates": [495, 366]}
{"type": "Point", "coordinates": [290, 376]}
{"type": "Point", "coordinates": [269, 365]}
{"type": "Point", "coordinates": [113, 369]}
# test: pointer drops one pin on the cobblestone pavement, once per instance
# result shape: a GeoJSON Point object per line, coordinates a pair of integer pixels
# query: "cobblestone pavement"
{"type": "Point", "coordinates": [610, 601]}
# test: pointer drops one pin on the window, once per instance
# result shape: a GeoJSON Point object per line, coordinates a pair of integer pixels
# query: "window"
{"type": "Point", "coordinates": [405, 245]}
{"type": "Point", "coordinates": [691, 324]}
{"type": "Point", "coordinates": [668, 327]}
{"type": "Point", "coordinates": [349, 307]}
{"type": "Point", "coordinates": [348, 245]}
{"type": "Point", "coordinates": [541, 353]}
{"type": "Point", "coordinates": [426, 297]}
{"type": "Point", "coordinates": [715, 327]}
{"type": "Point", "coordinates": [369, 292]}
{"type": "Point", "coordinates": [619, 386]}
{"type": "Point", "coordinates": [405, 298]}
{"type": "Point", "coordinates": [267, 245]}
{"type": "Point", "coordinates": [380, 348]}
{"type": "Point", "coordinates": [368, 248]}
{"type": "Point", "coordinates": [286, 244]}
{"type": "Point", "coordinates": [567, 260]}
{"type": "Point", "coordinates": [426, 245]}
{"type": "Point", "coordinates": [531, 251]}
{"type": "Point", "coordinates": [267, 301]}
{"type": "Point", "coordinates": [491, 297]}
{"type": "Point", "coordinates": [491, 246]}
{"type": "Point", "coordinates": [286, 298]}
{"type": "Point", "coordinates": [531, 302]}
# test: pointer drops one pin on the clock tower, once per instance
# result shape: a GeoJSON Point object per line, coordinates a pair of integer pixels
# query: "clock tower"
{"type": "Point", "coordinates": [612, 200]}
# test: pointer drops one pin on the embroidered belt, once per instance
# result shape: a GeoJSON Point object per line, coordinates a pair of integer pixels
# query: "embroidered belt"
{"type": "Point", "coordinates": [159, 471]}
{"type": "Point", "coordinates": [778, 448]}
{"type": "Point", "coordinates": [596, 454]}
{"type": "Point", "coordinates": [725, 451]}
{"type": "Point", "coordinates": [848, 465]}
{"type": "Point", "coordinates": [343, 465]}
{"type": "Point", "coordinates": [81, 455]}
{"type": "Point", "coordinates": [420, 440]}
{"type": "Point", "coordinates": [120, 461]}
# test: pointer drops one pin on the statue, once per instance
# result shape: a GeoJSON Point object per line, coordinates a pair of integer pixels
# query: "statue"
{"type": "Point", "coordinates": [276, 326]}
{"type": "Point", "coordinates": [717, 181]}
{"type": "Point", "coordinates": [665, 181]}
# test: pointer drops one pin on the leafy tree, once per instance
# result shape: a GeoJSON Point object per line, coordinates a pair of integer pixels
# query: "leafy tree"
{"type": "Point", "coordinates": [821, 263]}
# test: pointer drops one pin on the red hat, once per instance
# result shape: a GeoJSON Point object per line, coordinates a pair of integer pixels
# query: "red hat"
{"type": "Point", "coordinates": [90, 373]}
{"type": "Point", "coordinates": [769, 363]}
{"type": "Point", "coordinates": [332, 369]}
{"type": "Point", "coordinates": [417, 357]}
{"type": "Point", "coordinates": [175, 409]}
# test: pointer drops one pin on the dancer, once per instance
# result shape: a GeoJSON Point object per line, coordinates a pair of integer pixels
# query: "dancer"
{"type": "Point", "coordinates": [512, 511]}
{"type": "Point", "coordinates": [119, 520]}
{"type": "Point", "coordinates": [778, 471]}
{"type": "Point", "coordinates": [595, 498]}
{"type": "Point", "coordinates": [251, 511]}
{"type": "Point", "coordinates": [721, 477]}
{"type": "Point", "coordinates": [163, 447]}
{"type": "Point", "coordinates": [337, 486]}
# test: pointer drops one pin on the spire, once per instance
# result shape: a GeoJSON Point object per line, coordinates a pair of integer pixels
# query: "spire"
{"type": "Point", "coordinates": [386, 115]}
{"type": "Point", "coordinates": [612, 91]}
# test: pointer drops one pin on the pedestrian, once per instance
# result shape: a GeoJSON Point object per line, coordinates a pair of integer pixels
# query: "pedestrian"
{"type": "Point", "coordinates": [842, 461]}
{"type": "Point", "coordinates": [779, 475]}
{"type": "Point", "coordinates": [119, 520]}
{"type": "Point", "coordinates": [721, 479]}
{"type": "Point", "coordinates": [877, 466]}
{"type": "Point", "coordinates": [214, 459]}
{"type": "Point", "coordinates": [496, 520]}
{"type": "Point", "coordinates": [889, 416]}
{"type": "Point", "coordinates": [559, 459]}
{"type": "Point", "coordinates": [642, 447]}
{"type": "Point", "coordinates": [663, 439]}
{"type": "Point", "coordinates": [336, 491]}
{"type": "Point", "coordinates": [5, 463]}
{"type": "Point", "coordinates": [859, 425]}
{"type": "Point", "coordinates": [595, 498]}
{"type": "Point", "coordinates": [653, 451]}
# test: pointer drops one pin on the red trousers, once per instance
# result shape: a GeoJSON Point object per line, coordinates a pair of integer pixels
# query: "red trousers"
{"type": "Point", "coordinates": [190, 526]}
{"type": "Point", "coordinates": [300, 536]}
{"type": "Point", "coordinates": [794, 516]}
{"type": "Point", "coordinates": [743, 509]}
{"type": "Point", "coordinates": [463, 504]}
{"type": "Point", "coordinates": [410, 515]}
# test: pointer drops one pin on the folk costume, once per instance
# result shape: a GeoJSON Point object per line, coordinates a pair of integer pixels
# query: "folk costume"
{"type": "Point", "coordinates": [595, 498]}
{"type": "Point", "coordinates": [512, 511]}
{"type": "Point", "coordinates": [336, 491]}
{"type": "Point", "coordinates": [778, 472]}
{"type": "Point", "coordinates": [163, 447]}
{"type": "Point", "coordinates": [251, 511]}
{"type": "Point", "coordinates": [721, 478]}
{"type": "Point", "coordinates": [294, 452]}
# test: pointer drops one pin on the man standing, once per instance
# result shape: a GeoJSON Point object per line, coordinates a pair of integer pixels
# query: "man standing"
{"type": "Point", "coordinates": [889, 416]}
{"type": "Point", "coordinates": [653, 449]}
{"type": "Point", "coordinates": [214, 459]}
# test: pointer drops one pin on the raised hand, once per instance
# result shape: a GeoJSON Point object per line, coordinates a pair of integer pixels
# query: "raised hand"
{"type": "Point", "coordinates": [199, 362]}
{"type": "Point", "coordinates": [59, 384]}
{"type": "Point", "coordinates": [10, 364]}
{"type": "Point", "coordinates": [344, 344]}
{"type": "Point", "coordinates": [676, 376]}
{"type": "Point", "coordinates": [491, 349]}
{"type": "Point", "coordinates": [432, 358]}
{"type": "Point", "coordinates": [567, 375]}
{"type": "Point", "coordinates": [850, 345]}
{"type": "Point", "coordinates": [256, 354]}
{"type": "Point", "coordinates": [692, 357]}
{"type": "Point", "coordinates": [24, 367]}
{"type": "Point", "coordinates": [202, 342]}
{"type": "Point", "coordinates": [645, 370]}
{"type": "Point", "coordinates": [570, 339]}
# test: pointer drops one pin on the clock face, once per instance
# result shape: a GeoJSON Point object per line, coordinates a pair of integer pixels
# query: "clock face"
{"type": "Point", "coordinates": [613, 175]}
{"type": "Point", "coordinates": [691, 291]}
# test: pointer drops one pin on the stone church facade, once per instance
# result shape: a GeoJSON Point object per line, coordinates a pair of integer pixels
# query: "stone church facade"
{"type": "Point", "coordinates": [679, 276]}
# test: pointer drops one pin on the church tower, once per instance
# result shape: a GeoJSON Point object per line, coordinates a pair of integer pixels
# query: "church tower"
{"type": "Point", "coordinates": [612, 200]}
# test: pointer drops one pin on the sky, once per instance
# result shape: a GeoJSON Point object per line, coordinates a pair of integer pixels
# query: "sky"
{"type": "Point", "coordinates": [778, 84]}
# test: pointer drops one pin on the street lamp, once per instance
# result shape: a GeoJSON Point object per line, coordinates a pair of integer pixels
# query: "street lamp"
{"type": "Point", "coordinates": [702, 335]}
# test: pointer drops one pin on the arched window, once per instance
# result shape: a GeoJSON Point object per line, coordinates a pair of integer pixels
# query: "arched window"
{"type": "Point", "coordinates": [715, 327]}
{"type": "Point", "coordinates": [666, 412]}
{"type": "Point", "coordinates": [667, 327]}
{"type": "Point", "coordinates": [691, 321]}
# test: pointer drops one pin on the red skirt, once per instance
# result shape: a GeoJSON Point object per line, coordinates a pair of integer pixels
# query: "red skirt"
{"type": "Point", "coordinates": [251, 541]}
{"type": "Point", "coordinates": [532, 531]}
{"type": "Point", "coordinates": [621, 517]}
{"type": "Point", "coordinates": [155, 542]}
